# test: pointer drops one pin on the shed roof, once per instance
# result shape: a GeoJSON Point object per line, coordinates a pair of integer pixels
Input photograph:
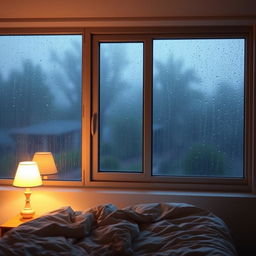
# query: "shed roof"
{"type": "Point", "coordinates": [54, 127]}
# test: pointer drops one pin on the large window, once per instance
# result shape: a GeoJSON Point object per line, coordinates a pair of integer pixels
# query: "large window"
{"type": "Point", "coordinates": [165, 108]}
{"type": "Point", "coordinates": [40, 101]}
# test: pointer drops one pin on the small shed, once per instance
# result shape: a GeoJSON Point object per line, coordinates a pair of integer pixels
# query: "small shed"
{"type": "Point", "coordinates": [55, 136]}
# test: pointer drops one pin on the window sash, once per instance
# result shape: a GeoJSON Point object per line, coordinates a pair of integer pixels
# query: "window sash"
{"type": "Point", "coordinates": [145, 179]}
{"type": "Point", "coordinates": [50, 32]}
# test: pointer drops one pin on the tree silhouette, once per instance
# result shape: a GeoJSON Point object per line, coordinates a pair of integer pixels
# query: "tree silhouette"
{"type": "Point", "coordinates": [112, 64]}
{"type": "Point", "coordinates": [25, 97]}
{"type": "Point", "coordinates": [175, 103]}
{"type": "Point", "coordinates": [69, 78]}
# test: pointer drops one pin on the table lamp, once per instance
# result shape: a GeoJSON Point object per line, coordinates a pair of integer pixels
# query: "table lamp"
{"type": "Point", "coordinates": [27, 176]}
{"type": "Point", "coordinates": [45, 163]}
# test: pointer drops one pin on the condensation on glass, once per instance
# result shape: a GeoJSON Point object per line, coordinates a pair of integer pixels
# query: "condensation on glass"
{"type": "Point", "coordinates": [198, 107]}
{"type": "Point", "coordinates": [121, 104]}
{"type": "Point", "coordinates": [40, 105]}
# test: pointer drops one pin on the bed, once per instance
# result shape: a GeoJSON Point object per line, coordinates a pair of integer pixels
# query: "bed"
{"type": "Point", "coordinates": [145, 229]}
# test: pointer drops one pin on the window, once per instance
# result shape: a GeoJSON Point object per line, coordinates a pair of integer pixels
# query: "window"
{"type": "Point", "coordinates": [40, 105]}
{"type": "Point", "coordinates": [193, 128]}
{"type": "Point", "coordinates": [156, 108]}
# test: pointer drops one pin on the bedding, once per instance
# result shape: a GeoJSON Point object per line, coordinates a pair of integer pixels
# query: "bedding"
{"type": "Point", "coordinates": [145, 229]}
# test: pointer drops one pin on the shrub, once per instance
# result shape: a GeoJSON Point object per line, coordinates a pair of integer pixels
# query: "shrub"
{"type": "Point", "coordinates": [204, 160]}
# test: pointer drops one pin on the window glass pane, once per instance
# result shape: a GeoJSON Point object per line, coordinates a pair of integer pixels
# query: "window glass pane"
{"type": "Point", "coordinates": [40, 102]}
{"type": "Point", "coordinates": [198, 107]}
{"type": "Point", "coordinates": [121, 89]}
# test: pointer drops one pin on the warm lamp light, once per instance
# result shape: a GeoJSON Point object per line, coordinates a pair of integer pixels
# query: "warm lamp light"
{"type": "Point", "coordinates": [27, 176]}
{"type": "Point", "coordinates": [45, 163]}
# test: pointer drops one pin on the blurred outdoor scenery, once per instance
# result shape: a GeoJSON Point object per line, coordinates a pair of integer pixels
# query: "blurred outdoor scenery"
{"type": "Point", "coordinates": [198, 105]}
{"type": "Point", "coordinates": [40, 101]}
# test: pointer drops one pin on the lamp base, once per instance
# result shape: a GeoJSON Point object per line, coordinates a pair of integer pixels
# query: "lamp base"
{"type": "Point", "coordinates": [27, 213]}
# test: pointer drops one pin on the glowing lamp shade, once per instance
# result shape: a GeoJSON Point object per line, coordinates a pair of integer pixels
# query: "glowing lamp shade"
{"type": "Point", "coordinates": [27, 176]}
{"type": "Point", "coordinates": [45, 163]}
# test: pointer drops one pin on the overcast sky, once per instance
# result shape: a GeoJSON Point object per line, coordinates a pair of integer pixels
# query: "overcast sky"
{"type": "Point", "coordinates": [214, 60]}
{"type": "Point", "coordinates": [14, 50]}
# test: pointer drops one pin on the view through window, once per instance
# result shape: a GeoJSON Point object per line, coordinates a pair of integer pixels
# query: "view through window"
{"type": "Point", "coordinates": [40, 105]}
{"type": "Point", "coordinates": [198, 113]}
{"type": "Point", "coordinates": [197, 107]}
{"type": "Point", "coordinates": [166, 107]}
{"type": "Point", "coordinates": [121, 106]}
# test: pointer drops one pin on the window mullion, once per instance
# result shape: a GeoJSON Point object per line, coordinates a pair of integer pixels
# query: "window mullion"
{"type": "Point", "coordinates": [95, 107]}
{"type": "Point", "coordinates": [148, 107]}
{"type": "Point", "coordinates": [86, 111]}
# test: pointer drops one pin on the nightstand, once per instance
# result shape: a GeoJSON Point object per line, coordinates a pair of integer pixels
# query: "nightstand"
{"type": "Point", "coordinates": [13, 223]}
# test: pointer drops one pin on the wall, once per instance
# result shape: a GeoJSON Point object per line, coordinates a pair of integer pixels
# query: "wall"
{"type": "Point", "coordinates": [237, 210]}
{"type": "Point", "coordinates": [124, 8]}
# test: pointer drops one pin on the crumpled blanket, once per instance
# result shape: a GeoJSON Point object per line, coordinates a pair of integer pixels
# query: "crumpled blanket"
{"type": "Point", "coordinates": [146, 229]}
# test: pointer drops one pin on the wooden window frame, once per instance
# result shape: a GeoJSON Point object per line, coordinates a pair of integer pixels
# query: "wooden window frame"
{"type": "Point", "coordinates": [144, 179]}
{"type": "Point", "coordinates": [54, 31]}
{"type": "Point", "coordinates": [90, 177]}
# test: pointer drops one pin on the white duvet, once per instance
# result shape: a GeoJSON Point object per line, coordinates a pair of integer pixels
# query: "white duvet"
{"type": "Point", "coordinates": [146, 229]}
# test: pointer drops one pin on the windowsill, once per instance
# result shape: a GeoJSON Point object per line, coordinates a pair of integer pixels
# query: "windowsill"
{"type": "Point", "coordinates": [145, 192]}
